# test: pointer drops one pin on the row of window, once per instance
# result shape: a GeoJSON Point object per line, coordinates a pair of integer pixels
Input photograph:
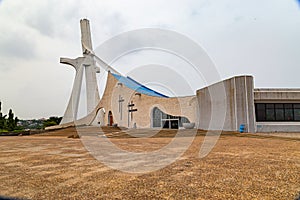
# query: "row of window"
{"type": "Point", "coordinates": [277, 112]}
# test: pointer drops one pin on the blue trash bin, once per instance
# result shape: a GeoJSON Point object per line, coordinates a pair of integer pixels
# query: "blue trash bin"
{"type": "Point", "coordinates": [242, 128]}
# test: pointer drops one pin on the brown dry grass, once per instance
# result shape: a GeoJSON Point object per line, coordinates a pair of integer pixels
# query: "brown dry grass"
{"type": "Point", "coordinates": [239, 167]}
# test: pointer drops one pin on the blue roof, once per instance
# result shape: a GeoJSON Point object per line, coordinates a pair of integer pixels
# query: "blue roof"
{"type": "Point", "coordinates": [134, 85]}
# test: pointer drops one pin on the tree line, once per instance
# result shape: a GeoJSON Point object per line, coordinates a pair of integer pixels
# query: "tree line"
{"type": "Point", "coordinates": [8, 122]}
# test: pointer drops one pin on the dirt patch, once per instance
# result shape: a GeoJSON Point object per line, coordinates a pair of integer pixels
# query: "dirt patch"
{"type": "Point", "coordinates": [239, 167]}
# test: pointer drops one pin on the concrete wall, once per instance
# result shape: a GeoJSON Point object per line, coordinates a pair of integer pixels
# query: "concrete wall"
{"type": "Point", "coordinates": [227, 104]}
{"type": "Point", "coordinates": [279, 95]}
{"type": "Point", "coordinates": [278, 127]}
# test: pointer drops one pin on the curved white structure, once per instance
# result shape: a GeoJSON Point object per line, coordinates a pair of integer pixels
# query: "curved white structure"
{"type": "Point", "coordinates": [83, 64]}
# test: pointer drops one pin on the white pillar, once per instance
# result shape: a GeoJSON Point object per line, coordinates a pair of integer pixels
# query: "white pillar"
{"type": "Point", "coordinates": [72, 108]}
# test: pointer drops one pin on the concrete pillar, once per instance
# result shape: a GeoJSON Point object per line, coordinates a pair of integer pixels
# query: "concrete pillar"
{"type": "Point", "coordinates": [72, 107]}
{"type": "Point", "coordinates": [86, 39]}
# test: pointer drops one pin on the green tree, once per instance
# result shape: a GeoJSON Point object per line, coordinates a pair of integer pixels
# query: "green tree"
{"type": "Point", "coordinates": [10, 121]}
{"type": "Point", "coordinates": [52, 121]}
{"type": "Point", "coordinates": [2, 119]}
{"type": "Point", "coordinates": [16, 121]}
{"type": "Point", "coordinates": [55, 119]}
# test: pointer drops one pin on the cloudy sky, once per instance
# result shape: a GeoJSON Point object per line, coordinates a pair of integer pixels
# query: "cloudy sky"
{"type": "Point", "coordinates": [258, 37]}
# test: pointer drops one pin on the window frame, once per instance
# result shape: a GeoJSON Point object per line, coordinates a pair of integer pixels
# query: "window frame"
{"type": "Point", "coordinates": [263, 112]}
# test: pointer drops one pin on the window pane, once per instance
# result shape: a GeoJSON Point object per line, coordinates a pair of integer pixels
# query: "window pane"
{"type": "Point", "coordinates": [183, 120]}
{"type": "Point", "coordinates": [270, 106]}
{"type": "Point", "coordinates": [278, 105]}
{"type": "Point", "coordinates": [279, 114]}
{"type": "Point", "coordinates": [157, 117]}
{"type": "Point", "coordinates": [260, 111]}
{"type": "Point", "coordinates": [288, 105]}
{"type": "Point", "coordinates": [260, 106]}
{"type": "Point", "coordinates": [288, 115]}
{"type": "Point", "coordinates": [297, 114]}
{"type": "Point", "coordinates": [270, 115]}
{"type": "Point", "coordinates": [164, 116]}
{"type": "Point", "coordinates": [296, 105]}
{"type": "Point", "coordinates": [260, 115]}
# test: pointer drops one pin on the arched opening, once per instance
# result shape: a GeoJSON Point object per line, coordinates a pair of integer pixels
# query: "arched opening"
{"type": "Point", "coordinates": [163, 120]}
{"type": "Point", "coordinates": [99, 117]}
{"type": "Point", "coordinates": [110, 119]}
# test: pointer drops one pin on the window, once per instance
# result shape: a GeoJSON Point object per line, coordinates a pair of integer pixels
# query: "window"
{"type": "Point", "coordinates": [277, 111]}
{"type": "Point", "coordinates": [161, 119]}
{"type": "Point", "coordinates": [270, 112]}
{"type": "Point", "coordinates": [260, 112]}
{"type": "Point", "coordinates": [288, 112]}
{"type": "Point", "coordinates": [297, 112]}
{"type": "Point", "coordinates": [156, 117]}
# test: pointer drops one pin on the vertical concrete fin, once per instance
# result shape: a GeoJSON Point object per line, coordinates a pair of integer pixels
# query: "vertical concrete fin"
{"type": "Point", "coordinates": [90, 66]}
{"type": "Point", "coordinates": [92, 92]}
{"type": "Point", "coordinates": [72, 108]}
{"type": "Point", "coordinates": [86, 39]}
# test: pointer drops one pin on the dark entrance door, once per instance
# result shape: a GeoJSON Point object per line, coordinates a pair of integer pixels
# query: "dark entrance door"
{"type": "Point", "coordinates": [166, 124]}
{"type": "Point", "coordinates": [110, 119]}
{"type": "Point", "coordinates": [170, 123]}
{"type": "Point", "coordinates": [174, 124]}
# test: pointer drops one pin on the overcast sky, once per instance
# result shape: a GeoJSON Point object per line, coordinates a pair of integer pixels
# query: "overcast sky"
{"type": "Point", "coordinates": [257, 37]}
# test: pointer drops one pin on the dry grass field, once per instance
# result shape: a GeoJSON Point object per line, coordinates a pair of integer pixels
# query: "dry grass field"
{"type": "Point", "coordinates": [241, 166]}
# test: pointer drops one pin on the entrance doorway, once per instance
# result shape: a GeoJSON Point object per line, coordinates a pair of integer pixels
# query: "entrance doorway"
{"type": "Point", "coordinates": [163, 120]}
{"type": "Point", "coordinates": [110, 119]}
{"type": "Point", "coordinates": [170, 123]}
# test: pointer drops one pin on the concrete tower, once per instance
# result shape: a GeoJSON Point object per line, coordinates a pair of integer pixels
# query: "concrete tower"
{"type": "Point", "coordinates": [86, 64]}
